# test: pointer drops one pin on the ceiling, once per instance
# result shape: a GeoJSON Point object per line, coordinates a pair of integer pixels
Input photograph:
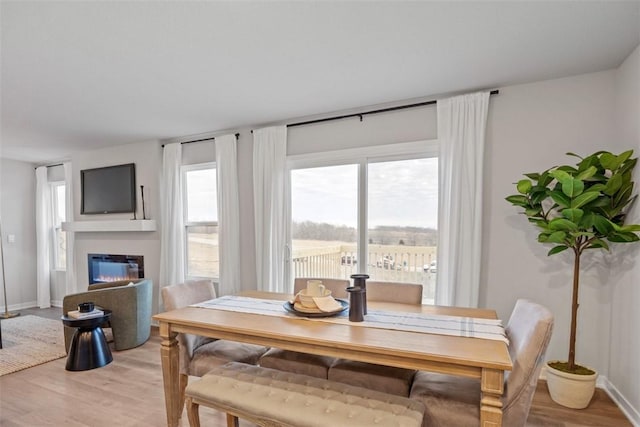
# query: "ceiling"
{"type": "Point", "coordinates": [83, 75]}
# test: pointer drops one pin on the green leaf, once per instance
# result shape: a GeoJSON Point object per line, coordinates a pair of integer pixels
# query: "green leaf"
{"type": "Point", "coordinates": [557, 250]}
{"type": "Point", "coordinates": [609, 161]}
{"type": "Point", "coordinates": [539, 222]}
{"type": "Point", "coordinates": [560, 175]}
{"type": "Point", "coordinates": [518, 200]}
{"type": "Point", "coordinates": [573, 215]}
{"type": "Point", "coordinates": [624, 194]}
{"type": "Point", "coordinates": [587, 173]}
{"type": "Point", "coordinates": [537, 195]}
{"type": "Point", "coordinates": [572, 187]}
{"type": "Point", "coordinates": [583, 199]}
{"type": "Point", "coordinates": [597, 187]}
{"type": "Point", "coordinates": [628, 165]}
{"type": "Point", "coordinates": [630, 228]}
{"type": "Point", "coordinates": [620, 237]}
{"type": "Point", "coordinates": [543, 237]}
{"type": "Point", "coordinates": [603, 225]}
{"type": "Point", "coordinates": [534, 176]}
{"type": "Point", "coordinates": [589, 161]}
{"type": "Point", "coordinates": [560, 198]}
{"type": "Point", "coordinates": [614, 184]}
{"type": "Point", "coordinates": [561, 224]}
{"type": "Point", "coordinates": [524, 186]}
{"type": "Point", "coordinates": [533, 212]}
{"type": "Point", "coordinates": [598, 243]}
{"type": "Point", "coordinates": [623, 157]}
{"type": "Point", "coordinates": [545, 179]}
{"type": "Point", "coordinates": [568, 169]}
{"type": "Point", "coordinates": [599, 202]}
{"type": "Point", "coordinates": [557, 237]}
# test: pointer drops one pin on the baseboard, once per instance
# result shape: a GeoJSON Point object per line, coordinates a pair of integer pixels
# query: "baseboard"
{"type": "Point", "coordinates": [603, 383]}
{"type": "Point", "coordinates": [627, 408]}
{"type": "Point", "coordinates": [17, 307]}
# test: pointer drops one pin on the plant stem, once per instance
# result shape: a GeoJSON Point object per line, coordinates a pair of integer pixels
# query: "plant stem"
{"type": "Point", "coordinates": [574, 309]}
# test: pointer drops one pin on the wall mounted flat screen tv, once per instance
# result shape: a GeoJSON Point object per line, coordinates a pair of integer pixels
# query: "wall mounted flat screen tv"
{"type": "Point", "coordinates": [111, 189]}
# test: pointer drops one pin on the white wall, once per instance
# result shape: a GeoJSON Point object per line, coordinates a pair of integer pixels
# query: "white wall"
{"type": "Point", "coordinates": [624, 340]}
{"type": "Point", "coordinates": [17, 213]}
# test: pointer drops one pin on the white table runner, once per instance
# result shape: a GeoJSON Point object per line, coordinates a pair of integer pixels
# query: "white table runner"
{"type": "Point", "coordinates": [491, 329]}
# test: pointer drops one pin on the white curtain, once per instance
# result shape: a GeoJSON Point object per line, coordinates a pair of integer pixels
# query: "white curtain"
{"type": "Point", "coordinates": [44, 228]}
{"type": "Point", "coordinates": [228, 214]}
{"type": "Point", "coordinates": [71, 283]}
{"type": "Point", "coordinates": [172, 239]}
{"type": "Point", "coordinates": [461, 133]}
{"type": "Point", "coordinates": [269, 161]}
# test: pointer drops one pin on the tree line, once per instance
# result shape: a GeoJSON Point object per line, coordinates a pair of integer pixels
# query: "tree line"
{"type": "Point", "coordinates": [383, 235]}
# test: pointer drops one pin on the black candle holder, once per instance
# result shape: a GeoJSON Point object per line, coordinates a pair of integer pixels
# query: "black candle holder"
{"type": "Point", "coordinates": [360, 281]}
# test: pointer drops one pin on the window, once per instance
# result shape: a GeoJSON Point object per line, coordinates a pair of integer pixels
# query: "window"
{"type": "Point", "coordinates": [59, 240]}
{"type": "Point", "coordinates": [371, 211]}
{"type": "Point", "coordinates": [201, 220]}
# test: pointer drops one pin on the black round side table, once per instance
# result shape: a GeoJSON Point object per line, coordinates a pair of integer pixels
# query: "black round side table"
{"type": "Point", "coordinates": [89, 348]}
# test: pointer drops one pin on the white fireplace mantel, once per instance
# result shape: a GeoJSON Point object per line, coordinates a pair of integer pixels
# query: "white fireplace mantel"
{"type": "Point", "coordinates": [111, 225]}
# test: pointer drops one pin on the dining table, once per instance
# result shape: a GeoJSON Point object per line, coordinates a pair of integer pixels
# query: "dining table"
{"type": "Point", "coordinates": [484, 359]}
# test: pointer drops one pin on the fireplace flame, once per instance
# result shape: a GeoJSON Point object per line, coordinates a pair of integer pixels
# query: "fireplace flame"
{"type": "Point", "coordinates": [105, 279]}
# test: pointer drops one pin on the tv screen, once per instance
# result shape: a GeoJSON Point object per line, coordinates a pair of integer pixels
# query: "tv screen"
{"type": "Point", "coordinates": [110, 189]}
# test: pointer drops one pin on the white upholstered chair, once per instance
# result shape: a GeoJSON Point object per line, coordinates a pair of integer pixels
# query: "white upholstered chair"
{"type": "Point", "coordinates": [387, 379]}
{"type": "Point", "coordinates": [303, 363]}
{"type": "Point", "coordinates": [198, 355]}
{"type": "Point", "coordinates": [452, 400]}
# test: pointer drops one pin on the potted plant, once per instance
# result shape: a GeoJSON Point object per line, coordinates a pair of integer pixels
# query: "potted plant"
{"type": "Point", "coordinates": [579, 207]}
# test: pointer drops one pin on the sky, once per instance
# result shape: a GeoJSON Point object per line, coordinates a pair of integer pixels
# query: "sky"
{"type": "Point", "coordinates": [403, 193]}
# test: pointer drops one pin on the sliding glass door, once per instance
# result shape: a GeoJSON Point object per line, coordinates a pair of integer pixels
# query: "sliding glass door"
{"type": "Point", "coordinates": [371, 213]}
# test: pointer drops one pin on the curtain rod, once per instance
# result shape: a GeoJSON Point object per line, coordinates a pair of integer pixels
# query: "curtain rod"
{"type": "Point", "coordinates": [203, 139]}
{"type": "Point", "coordinates": [50, 166]}
{"type": "Point", "coordinates": [361, 115]}
{"type": "Point", "coordinates": [382, 110]}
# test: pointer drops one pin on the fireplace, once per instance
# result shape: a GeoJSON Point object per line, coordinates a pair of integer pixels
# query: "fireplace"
{"type": "Point", "coordinates": [109, 267]}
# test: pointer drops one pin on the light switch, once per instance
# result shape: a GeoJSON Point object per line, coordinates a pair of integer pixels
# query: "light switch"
{"type": "Point", "coordinates": [11, 238]}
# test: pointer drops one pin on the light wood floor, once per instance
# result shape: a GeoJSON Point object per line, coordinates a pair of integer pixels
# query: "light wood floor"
{"type": "Point", "coordinates": [128, 392]}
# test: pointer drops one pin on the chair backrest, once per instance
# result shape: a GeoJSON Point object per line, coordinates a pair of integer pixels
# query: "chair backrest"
{"type": "Point", "coordinates": [529, 331]}
{"type": "Point", "coordinates": [184, 294]}
{"type": "Point", "coordinates": [402, 293]}
{"type": "Point", "coordinates": [337, 286]}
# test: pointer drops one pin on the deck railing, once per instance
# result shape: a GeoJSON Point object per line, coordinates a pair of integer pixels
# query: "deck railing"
{"type": "Point", "coordinates": [393, 263]}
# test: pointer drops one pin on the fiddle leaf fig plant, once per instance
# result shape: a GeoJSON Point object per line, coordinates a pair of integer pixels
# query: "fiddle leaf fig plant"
{"type": "Point", "coordinates": [580, 207]}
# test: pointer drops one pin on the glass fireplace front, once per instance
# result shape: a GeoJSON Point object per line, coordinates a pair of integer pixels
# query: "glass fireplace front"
{"type": "Point", "coordinates": [109, 267]}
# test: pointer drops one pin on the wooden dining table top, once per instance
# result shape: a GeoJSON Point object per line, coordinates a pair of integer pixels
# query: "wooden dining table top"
{"type": "Point", "coordinates": [415, 350]}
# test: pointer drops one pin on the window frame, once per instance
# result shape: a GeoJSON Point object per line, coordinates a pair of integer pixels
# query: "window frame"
{"type": "Point", "coordinates": [361, 156]}
{"type": "Point", "coordinates": [184, 169]}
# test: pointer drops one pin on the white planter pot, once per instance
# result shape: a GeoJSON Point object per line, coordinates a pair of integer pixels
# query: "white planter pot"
{"type": "Point", "coordinates": [570, 390]}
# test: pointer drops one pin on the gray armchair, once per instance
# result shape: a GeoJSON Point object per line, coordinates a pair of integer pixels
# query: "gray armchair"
{"type": "Point", "coordinates": [130, 307]}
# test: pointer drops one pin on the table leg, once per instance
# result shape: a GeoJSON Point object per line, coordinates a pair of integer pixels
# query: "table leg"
{"type": "Point", "coordinates": [491, 398]}
{"type": "Point", "coordinates": [170, 375]}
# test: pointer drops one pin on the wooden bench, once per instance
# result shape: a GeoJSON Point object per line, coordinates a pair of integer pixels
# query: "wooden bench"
{"type": "Point", "coordinates": [270, 398]}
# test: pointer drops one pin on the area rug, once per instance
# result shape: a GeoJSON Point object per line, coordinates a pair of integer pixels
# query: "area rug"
{"type": "Point", "coordinates": [29, 341]}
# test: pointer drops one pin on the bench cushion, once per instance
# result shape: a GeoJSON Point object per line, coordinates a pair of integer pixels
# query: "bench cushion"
{"type": "Point", "coordinates": [298, 363]}
{"type": "Point", "coordinates": [299, 400]}
{"type": "Point", "coordinates": [387, 379]}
